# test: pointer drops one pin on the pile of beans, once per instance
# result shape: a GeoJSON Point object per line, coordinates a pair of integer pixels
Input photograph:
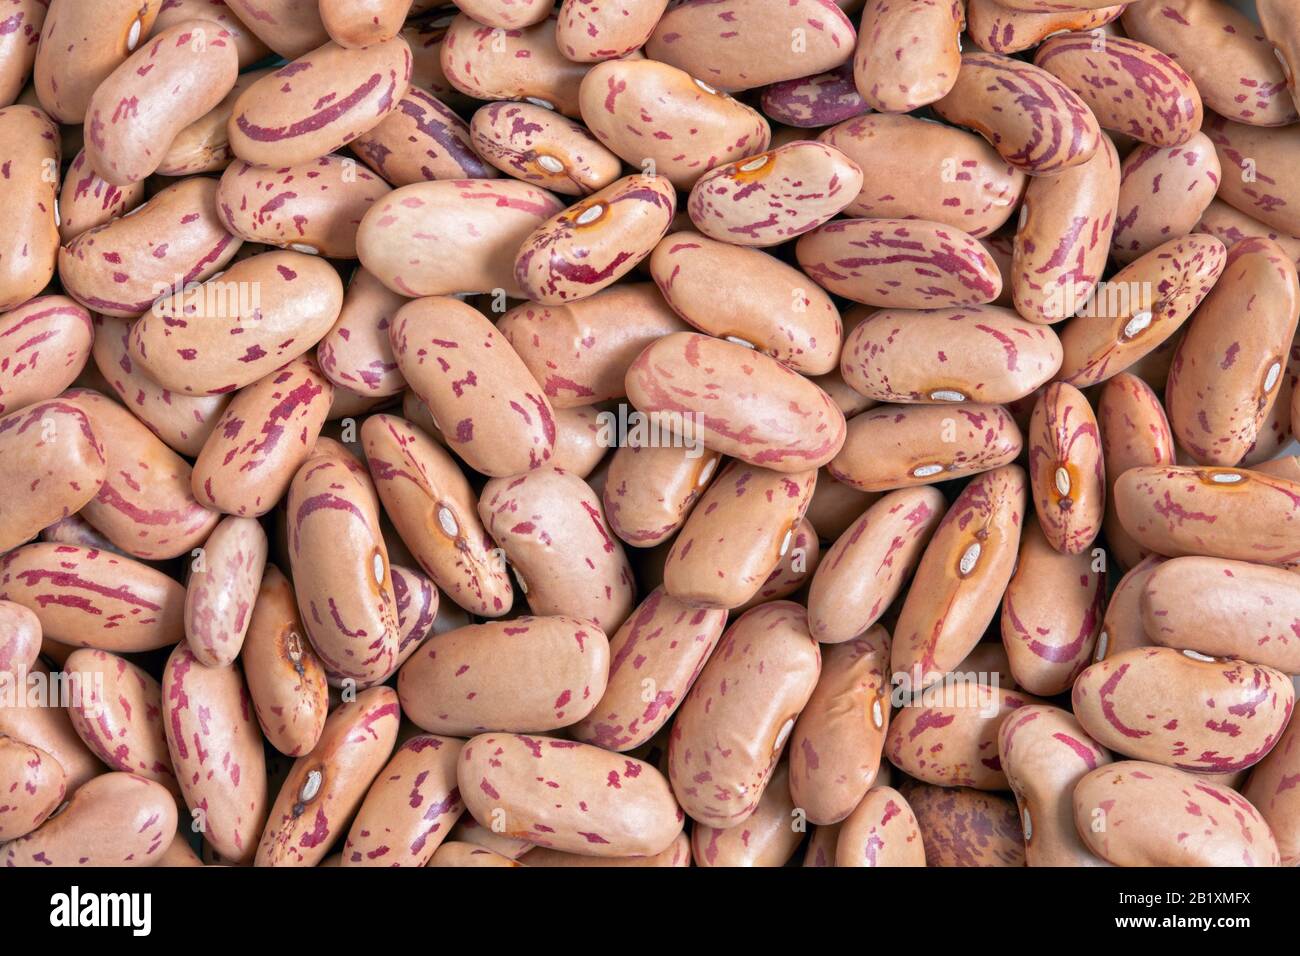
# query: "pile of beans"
{"type": "Point", "coordinates": [648, 433]}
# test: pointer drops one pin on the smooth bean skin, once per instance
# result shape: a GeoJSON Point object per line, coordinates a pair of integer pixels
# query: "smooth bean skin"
{"type": "Point", "coordinates": [216, 747]}
{"type": "Point", "coordinates": [313, 207]}
{"type": "Point", "coordinates": [739, 402]}
{"type": "Point", "coordinates": [347, 603]}
{"type": "Point", "coordinates": [587, 32]}
{"type": "Point", "coordinates": [117, 819]}
{"type": "Point", "coordinates": [289, 27]}
{"type": "Point", "coordinates": [442, 345]}
{"type": "Point", "coordinates": [773, 197]}
{"type": "Point", "coordinates": [525, 675]}
{"type": "Point", "coordinates": [1055, 129]}
{"type": "Point", "coordinates": [1168, 283]}
{"type": "Point", "coordinates": [222, 587]}
{"type": "Point", "coordinates": [457, 853]}
{"type": "Point", "coordinates": [741, 44]}
{"type": "Point", "coordinates": [44, 344]}
{"type": "Point", "coordinates": [320, 102]}
{"type": "Point", "coordinates": [999, 28]}
{"type": "Point", "coordinates": [908, 54]}
{"type": "Point", "coordinates": [418, 601]}
{"type": "Point", "coordinates": [51, 730]}
{"type": "Point", "coordinates": [82, 42]}
{"type": "Point", "coordinates": [18, 46]}
{"type": "Point", "coordinates": [29, 191]}
{"type": "Point", "coordinates": [116, 709]}
{"type": "Point", "coordinates": [964, 827]}
{"type": "Point", "coordinates": [1280, 30]}
{"type": "Point", "coordinates": [52, 452]}
{"type": "Point", "coordinates": [984, 354]}
{"type": "Point", "coordinates": [744, 525]}
{"type": "Point", "coordinates": [250, 49]}
{"type": "Point", "coordinates": [456, 235]}
{"type": "Point", "coordinates": [568, 796]}
{"type": "Point", "coordinates": [1194, 713]}
{"type": "Point", "coordinates": [520, 63]}
{"type": "Point", "coordinates": [750, 298]}
{"type": "Point", "coordinates": [326, 786]}
{"type": "Point", "coordinates": [595, 242]}
{"type": "Point", "coordinates": [90, 598]}
{"type": "Point", "coordinates": [354, 24]}
{"type": "Point", "coordinates": [1225, 609]}
{"type": "Point", "coordinates": [356, 353]}
{"type": "Point", "coordinates": [145, 506]}
{"type": "Point", "coordinates": [734, 723]}
{"type": "Point", "coordinates": [882, 830]}
{"type": "Point", "coordinates": [661, 647]}
{"type": "Point", "coordinates": [422, 139]}
{"type": "Point", "coordinates": [1217, 512]}
{"type": "Point", "coordinates": [174, 239]}
{"type": "Point", "coordinates": [435, 511]}
{"type": "Point", "coordinates": [286, 679]}
{"type": "Point", "coordinates": [1224, 53]}
{"type": "Point", "coordinates": [1066, 470]}
{"type": "Point", "coordinates": [918, 170]}
{"type": "Point", "coordinates": [539, 146]}
{"type": "Point", "coordinates": [837, 742]}
{"type": "Point", "coordinates": [37, 784]}
{"type": "Point", "coordinates": [1229, 367]}
{"type": "Point", "coordinates": [86, 200]}
{"type": "Point", "coordinates": [813, 102]}
{"type": "Point", "coordinates": [1134, 432]}
{"type": "Point", "coordinates": [677, 854]}
{"type": "Point", "coordinates": [410, 808]}
{"type": "Point", "coordinates": [767, 838]}
{"type": "Point", "coordinates": [1045, 753]}
{"type": "Point", "coordinates": [568, 562]}
{"type": "Point", "coordinates": [866, 568]}
{"type": "Point", "coordinates": [174, 79]}
{"type": "Point", "coordinates": [1122, 627]}
{"type": "Point", "coordinates": [1130, 87]}
{"type": "Point", "coordinates": [794, 570]}
{"type": "Point", "coordinates": [647, 111]}
{"type": "Point", "coordinates": [20, 639]}
{"type": "Point", "coordinates": [1051, 614]}
{"type": "Point", "coordinates": [1063, 237]}
{"type": "Point", "coordinates": [1256, 164]}
{"type": "Point", "coordinates": [1163, 192]}
{"type": "Point", "coordinates": [1133, 813]}
{"type": "Point", "coordinates": [580, 351]}
{"type": "Point", "coordinates": [961, 577]}
{"type": "Point", "coordinates": [1271, 789]}
{"type": "Point", "coordinates": [650, 491]}
{"type": "Point", "coordinates": [899, 263]}
{"type": "Point", "coordinates": [899, 446]}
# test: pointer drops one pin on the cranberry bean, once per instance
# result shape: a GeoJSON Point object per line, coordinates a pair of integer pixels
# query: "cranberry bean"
{"type": "Point", "coordinates": [422, 139]}
{"type": "Point", "coordinates": [908, 54]}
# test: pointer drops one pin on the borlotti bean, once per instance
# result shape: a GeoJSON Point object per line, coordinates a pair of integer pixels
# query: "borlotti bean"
{"type": "Point", "coordinates": [596, 433]}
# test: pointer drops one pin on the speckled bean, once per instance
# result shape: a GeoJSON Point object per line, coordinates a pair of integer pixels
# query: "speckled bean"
{"type": "Point", "coordinates": [37, 784]}
{"type": "Point", "coordinates": [1066, 469]}
{"type": "Point", "coordinates": [23, 22]}
{"type": "Point", "coordinates": [908, 54]}
{"type": "Point", "coordinates": [44, 343]}
{"type": "Point", "coordinates": [769, 837]}
{"type": "Point", "coordinates": [1271, 788]}
{"type": "Point", "coordinates": [515, 63]}
{"type": "Point", "coordinates": [882, 830]}
{"type": "Point", "coordinates": [1258, 177]}
{"type": "Point", "coordinates": [422, 139]}
{"type": "Point", "coordinates": [539, 146]}
{"type": "Point", "coordinates": [997, 27]}
{"type": "Point", "coordinates": [964, 827]}
{"type": "Point", "coordinates": [29, 191]}
{"type": "Point", "coordinates": [1163, 192]}
{"type": "Point", "coordinates": [588, 30]}
{"type": "Point", "coordinates": [86, 200]}
{"type": "Point", "coordinates": [354, 24]}
{"type": "Point", "coordinates": [222, 588]}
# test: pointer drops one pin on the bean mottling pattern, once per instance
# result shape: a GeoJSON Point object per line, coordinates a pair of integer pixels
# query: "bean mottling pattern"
{"type": "Point", "coordinates": [422, 139]}
{"type": "Point", "coordinates": [964, 827]}
{"type": "Point", "coordinates": [816, 101]}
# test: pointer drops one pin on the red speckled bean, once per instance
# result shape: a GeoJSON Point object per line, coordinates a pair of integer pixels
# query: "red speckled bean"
{"type": "Point", "coordinates": [118, 819]}
{"type": "Point", "coordinates": [174, 79]}
{"type": "Point", "coordinates": [1271, 788]}
{"type": "Point", "coordinates": [18, 43]}
{"type": "Point", "coordinates": [326, 787]}
{"type": "Point", "coordinates": [29, 192]}
{"type": "Point", "coordinates": [356, 353]}
{"type": "Point", "coordinates": [410, 808]}
{"type": "Point", "coordinates": [216, 747]}
{"type": "Point", "coordinates": [734, 723]}
{"type": "Point", "coordinates": [815, 101]}
{"type": "Point", "coordinates": [1134, 432]}
{"type": "Point", "coordinates": [1231, 225]}
{"type": "Point", "coordinates": [1133, 813]}
{"type": "Point", "coordinates": [289, 27]}
{"type": "Point", "coordinates": [422, 139]}
{"type": "Point", "coordinates": [266, 432]}
{"type": "Point", "coordinates": [550, 525]}
{"type": "Point", "coordinates": [86, 200]}
{"type": "Point", "coordinates": [1045, 753]}
{"type": "Point", "coordinates": [882, 830]}
{"type": "Point", "coordinates": [1066, 469]}
{"type": "Point", "coordinates": [964, 827]}
{"type": "Point", "coordinates": [528, 674]}
{"type": "Point", "coordinates": [116, 709]}
{"type": "Point", "coordinates": [1223, 52]}
{"type": "Point", "coordinates": [568, 796]}
{"type": "Point", "coordinates": [20, 639]}
{"type": "Point", "coordinates": [590, 30]}
{"type": "Point", "coordinates": [769, 837]}
{"type": "Point", "coordinates": [286, 679]}
{"type": "Point", "coordinates": [1258, 177]}
{"type": "Point", "coordinates": [1050, 128]}
{"type": "Point", "coordinates": [750, 298]}
{"type": "Point", "coordinates": [677, 854]}
{"type": "Point", "coordinates": [539, 146]}
{"type": "Point", "coordinates": [354, 24]}
{"type": "Point", "coordinates": [836, 744]}
{"type": "Point", "coordinates": [173, 240]}
{"type": "Point", "coordinates": [650, 491]}
{"type": "Point", "coordinates": [740, 44]}
{"type": "Point", "coordinates": [516, 63]}
{"type": "Point", "coordinates": [997, 27]}
{"type": "Point", "coordinates": [1183, 709]}
{"type": "Point", "coordinates": [908, 54]}
{"type": "Point", "coordinates": [1163, 192]}
{"type": "Point", "coordinates": [770, 198]}
{"type": "Point", "coordinates": [314, 207]}
{"type": "Point", "coordinates": [899, 263]}
{"type": "Point", "coordinates": [37, 784]}
{"type": "Point", "coordinates": [250, 49]}
{"type": "Point", "coordinates": [222, 587]}
{"type": "Point", "coordinates": [594, 243]}
{"type": "Point", "coordinates": [662, 119]}
{"type": "Point", "coordinates": [44, 343]}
